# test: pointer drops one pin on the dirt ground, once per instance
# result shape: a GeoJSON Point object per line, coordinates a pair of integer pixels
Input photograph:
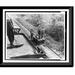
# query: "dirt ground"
{"type": "Point", "coordinates": [23, 50]}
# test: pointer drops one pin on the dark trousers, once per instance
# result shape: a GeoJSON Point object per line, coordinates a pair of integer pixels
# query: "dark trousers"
{"type": "Point", "coordinates": [10, 35]}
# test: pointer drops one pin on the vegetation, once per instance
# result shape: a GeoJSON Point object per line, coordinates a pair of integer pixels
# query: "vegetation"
{"type": "Point", "coordinates": [53, 31]}
{"type": "Point", "coordinates": [56, 32]}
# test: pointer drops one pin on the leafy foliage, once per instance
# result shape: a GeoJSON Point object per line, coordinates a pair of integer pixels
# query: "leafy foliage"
{"type": "Point", "coordinates": [56, 32]}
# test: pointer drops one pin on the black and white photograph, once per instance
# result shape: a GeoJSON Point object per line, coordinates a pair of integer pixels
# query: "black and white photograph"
{"type": "Point", "coordinates": [36, 36]}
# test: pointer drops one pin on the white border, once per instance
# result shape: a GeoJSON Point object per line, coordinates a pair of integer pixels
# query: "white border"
{"type": "Point", "coordinates": [28, 61]}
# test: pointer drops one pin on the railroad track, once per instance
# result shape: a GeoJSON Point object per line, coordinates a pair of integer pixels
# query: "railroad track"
{"type": "Point", "coordinates": [46, 50]}
{"type": "Point", "coordinates": [50, 53]}
{"type": "Point", "coordinates": [54, 52]}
